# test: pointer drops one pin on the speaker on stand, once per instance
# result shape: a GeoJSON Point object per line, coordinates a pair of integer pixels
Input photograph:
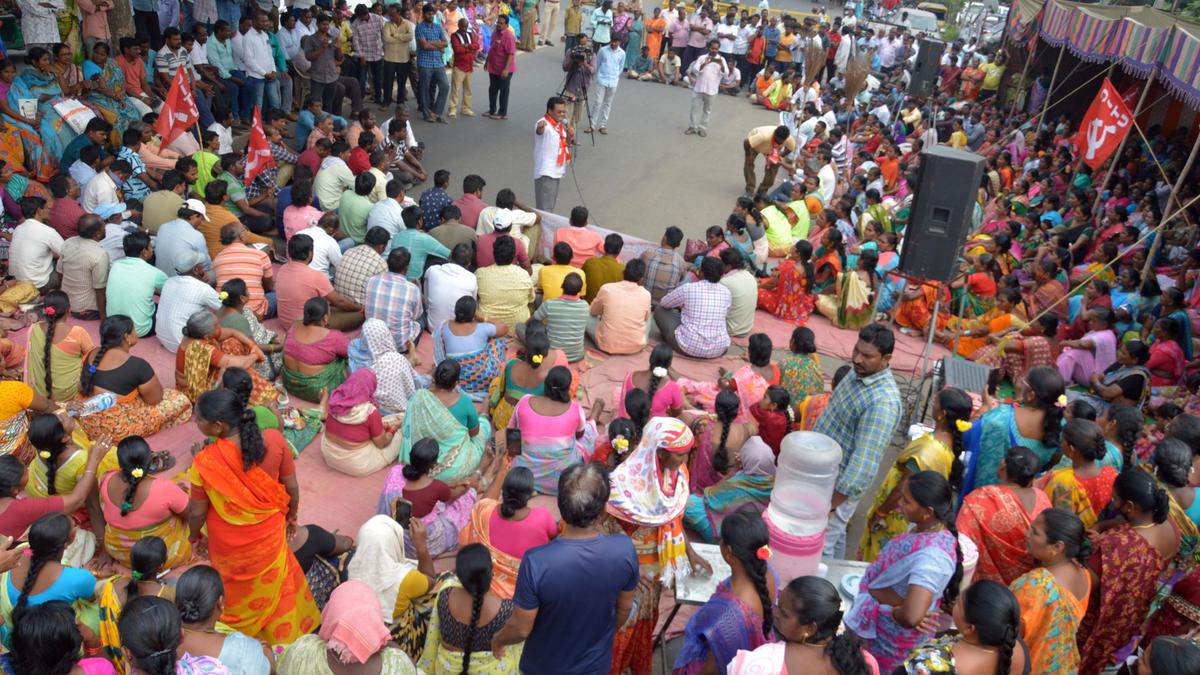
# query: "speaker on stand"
{"type": "Point", "coordinates": [923, 82]}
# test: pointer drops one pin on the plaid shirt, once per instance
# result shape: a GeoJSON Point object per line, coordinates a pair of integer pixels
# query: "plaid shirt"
{"type": "Point", "coordinates": [664, 271]}
{"type": "Point", "coordinates": [861, 416]}
{"type": "Point", "coordinates": [397, 302]}
{"type": "Point", "coordinates": [367, 37]}
{"type": "Point", "coordinates": [429, 58]}
{"type": "Point", "coordinates": [358, 265]}
{"type": "Point", "coordinates": [702, 332]}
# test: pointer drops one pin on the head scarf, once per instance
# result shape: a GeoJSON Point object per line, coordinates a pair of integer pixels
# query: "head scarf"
{"type": "Point", "coordinates": [350, 623]}
{"type": "Point", "coordinates": [396, 381]}
{"type": "Point", "coordinates": [350, 395]}
{"type": "Point", "coordinates": [379, 561]}
{"type": "Point", "coordinates": [756, 458]}
{"type": "Point", "coordinates": [638, 494]}
{"type": "Point", "coordinates": [378, 338]}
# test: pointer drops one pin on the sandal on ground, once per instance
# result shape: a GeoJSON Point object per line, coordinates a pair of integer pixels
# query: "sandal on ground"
{"type": "Point", "coordinates": [161, 460]}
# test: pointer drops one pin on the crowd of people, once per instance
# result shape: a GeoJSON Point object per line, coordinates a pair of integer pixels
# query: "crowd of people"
{"type": "Point", "coordinates": [1046, 524]}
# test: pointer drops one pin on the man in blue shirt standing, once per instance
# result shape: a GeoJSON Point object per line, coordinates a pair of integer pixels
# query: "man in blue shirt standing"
{"type": "Point", "coordinates": [566, 631]}
{"type": "Point", "coordinates": [610, 62]}
{"type": "Point", "coordinates": [771, 36]}
{"type": "Point", "coordinates": [431, 43]}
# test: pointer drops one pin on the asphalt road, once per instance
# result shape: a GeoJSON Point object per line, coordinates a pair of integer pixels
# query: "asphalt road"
{"type": "Point", "coordinates": [641, 177]}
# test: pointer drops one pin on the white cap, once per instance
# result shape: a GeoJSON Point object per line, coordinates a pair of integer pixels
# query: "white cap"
{"type": "Point", "coordinates": [197, 206]}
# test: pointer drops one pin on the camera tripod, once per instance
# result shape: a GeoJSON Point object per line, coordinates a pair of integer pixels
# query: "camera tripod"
{"type": "Point", "coordinates": [587, 104]}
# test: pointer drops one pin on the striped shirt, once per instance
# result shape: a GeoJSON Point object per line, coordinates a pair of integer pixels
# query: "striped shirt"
{"type": "Point", "coordinates": [239, 261]}
{"type": "Point", "coordinates": [861, 416]}
{"type": "Point", "coordinates": [397, 302]}
{"type": "Point", "coordinates": [566, 319]}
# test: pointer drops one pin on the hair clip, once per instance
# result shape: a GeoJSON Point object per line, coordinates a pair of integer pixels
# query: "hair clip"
{"type": "Point", "coordinates": [138, 472]}
{"type": "Point", "coordinates": [621, 443]}
{"type": "Point", "coordinates": [537, 359]}
{"type": "Point", "coordinates": [49, 311]}
{"type": "Point", "coordinates": [1061, 401]}
{"type": "Point", "coordinates": [963, 426]}
{"type": "Point", "coordinates": [763, 552]}
{"type": "Point", "coordinates": [659, 372]}
{"type": "Point", "coordinates": [45, 454]}
{"type": "Point", "coordinates": [223, 295]}
{"type": "Point", "coordinates": [126, 506]}
{"type": "Point", "coordinates": [137, 576]}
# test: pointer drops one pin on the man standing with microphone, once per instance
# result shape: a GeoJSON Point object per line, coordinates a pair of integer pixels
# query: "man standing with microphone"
{"type": "Point", "coordinates": [551, 153]}
{"type": "Point", "coordinates": [705, 74]}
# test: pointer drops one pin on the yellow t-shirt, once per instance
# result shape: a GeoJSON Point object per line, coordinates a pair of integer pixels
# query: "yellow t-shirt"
{"type": "Point", "coordinates": [991, 76]}
{"type": "Point", "coordinates": [550, 280]}
{"type": "Point", "coordinates": [958, 140]}
{"type": "Point", "coordinates": [760, 140]}
{"type": "Point", "coordinates": [785, 48]}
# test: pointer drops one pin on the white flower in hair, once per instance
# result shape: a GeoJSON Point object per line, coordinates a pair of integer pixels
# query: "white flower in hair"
{"type": "Point", "coordinates": [660, 372]}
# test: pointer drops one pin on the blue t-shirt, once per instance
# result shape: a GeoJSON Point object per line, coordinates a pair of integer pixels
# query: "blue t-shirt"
{"type": "Point", "coordinates": [71, 585]}
{"type": "Point", "coordinates": [573, 632]}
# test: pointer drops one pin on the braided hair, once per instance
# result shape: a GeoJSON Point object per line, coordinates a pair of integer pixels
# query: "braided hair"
{"type": "Point", "coordinates": [1061, 525]}
{"type": "Point", "coordinates": [1047, 386]}
{"type": "Point", "coordinates": [473, 567]}
{"type": "Point", "coordinates": [133, 455]}
{"type": "Point", "coordinates": [47, 434]}
{"type": "Point", "coordinates": [745, 534]}
{"type": "Point", "coordinates": [112, 333]}
{"type": "Point", "coordinates": [726, 408]}
{"type": "Point", "coordinates": [1128, 422]}
{"type": "Point", "coordinates": [225, 407]}
{"type": "Point", "coordinates": [637, 406]}
{"type": "Point", "coordinates": [46, 641]}
{"type": "Point", "coordinates": [516, 491]}
{"type": "Point", "coordinates": [994, 612]}
{"type": "Point", "coordinates": [932, 491]}
{"type": "Point", "coordinates": [47, 541]}
{"type": "Point", "coordinates": [804, 251]}
{"type": "Point", "coordinates": [238, 381]}
{"type": "Point", "coordinates": [660, 357]}
{"type": "Point", "coordinates": [956, 405]}
{"type": "Point", "coordinates": [151, 633]}
{"type": "Point", "coordinates": [54, 308]}
{"type": "Point", "coordinates": [813, 600]}
{"type": "Point", "coordinates": [146, 560]}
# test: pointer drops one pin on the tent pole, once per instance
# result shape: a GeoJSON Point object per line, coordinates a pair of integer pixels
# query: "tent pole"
{"type": "Point", "coordinates": [1024, 71]}
{"type": "Point", "coordinates": [1050, 90]}
{"type": "Point", "coordinates": [1170, 212]}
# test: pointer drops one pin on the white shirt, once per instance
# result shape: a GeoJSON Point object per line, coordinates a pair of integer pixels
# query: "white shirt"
{"type": "Point", "coordinates": [444, 285]}
{"type": "Point", "coordinates": [100, 190]}
{"type": "Point", "coordinates": [238, 45]}
{"type": "Point", "coordinates": [883, 114]}
{"type": "Point", "coordinates": [546, 150]}
{"type": "Point", "coordinates": [706, 74]}
{"type": "Point", "coordinates": [327, 255]}
{"type": "Point", "coordinates": [844, 49]}
{"type": "Point", "coordinates": [409, 139]}
{"type": "Point", "coordinates": [32, 251]}
{"type": "Point", "coordinates": [256, 54]}
{"type": "Point", "coordinates": [224, 136]}
{"type": "Point", "coordinates": [727, 33]}
{"type": "Point", "coordinates": [388, 214]}
{"type": "Point", "coordinates": [181, 297]}
{"type": "Point", "coordinates": [828, 182]}
{"type": "Point", "coordinates": [114, 239]}
{"type": "Point", "coordinates": [199, 54]}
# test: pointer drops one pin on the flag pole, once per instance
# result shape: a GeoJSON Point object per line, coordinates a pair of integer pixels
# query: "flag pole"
{"type": "Point", "coordinates": [1116, 156]}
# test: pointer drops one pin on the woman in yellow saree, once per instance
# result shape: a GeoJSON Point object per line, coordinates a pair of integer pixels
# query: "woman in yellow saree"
{"type": "Point", "coordinates": [207, 350]}
{"type": "Point", "coordinates": [973, 334]}
{"type": "Point", "coordinates": [56, 349]}
{"type": "Point", "coordinates": [137, 504]}
{"type": "Point", "coordinates": [1085, 487]}
{"type": "Point", "coordinates": [931, 452]}
{"type": "Point", "coordinates": [851, 304]}
{"type": "Point", "coordinates": [62, 460]}
{"type": "Point", "coordinates": [149, 557]}
{"type": "Point", "coordinates": [244, 489]}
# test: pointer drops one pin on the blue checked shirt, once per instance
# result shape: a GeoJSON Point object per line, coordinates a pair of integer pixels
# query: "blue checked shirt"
{"type": "Point", "coordinates": [861, 416]}
{"type": "Point", "coordinates": [135, 188]}
{"type": "Point", "coordinates": [394, 300]}
{"type": "Point", "coordinates": [702, 332]}
{"type": "Point", "coordinates": [429, 58]}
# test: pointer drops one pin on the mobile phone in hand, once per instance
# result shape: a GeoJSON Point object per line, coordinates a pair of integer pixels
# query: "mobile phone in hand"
{"type": "Point", "coordinates": [512, 442]}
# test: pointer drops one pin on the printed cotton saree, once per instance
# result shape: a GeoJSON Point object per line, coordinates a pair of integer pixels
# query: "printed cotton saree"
{"type": "Point", "coordinates": [477, 369]}
{"type": "Point", "coordinates": [924, 454]}
{"type": "Point", "coordinates": [994, 519]}
{"type": "Point", "coordinates": [1050, 617]}
{"type": "Point", "coordinates": [460, 452]}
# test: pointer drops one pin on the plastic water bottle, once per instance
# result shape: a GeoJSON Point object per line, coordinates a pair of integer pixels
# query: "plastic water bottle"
{"type": "Point", "coordinates": [98, 403]}
{"type": "Point", "coordinates": [799, 511]}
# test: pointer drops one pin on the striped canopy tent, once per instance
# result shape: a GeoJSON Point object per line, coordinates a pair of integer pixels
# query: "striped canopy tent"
{"type": "Point", "coordinates": [1141, 39]}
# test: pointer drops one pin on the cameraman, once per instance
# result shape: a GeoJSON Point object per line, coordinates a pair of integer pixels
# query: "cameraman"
{"type": "Point", "coordinates": [580, 65]}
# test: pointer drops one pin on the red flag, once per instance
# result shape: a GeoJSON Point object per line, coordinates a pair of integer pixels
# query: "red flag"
{"type": "Point", "coordinates": [1107, 122]}
{"type": "Point", "coordinates": [258, 153]}
{"type": "Point", "coordinates": [179, 110]}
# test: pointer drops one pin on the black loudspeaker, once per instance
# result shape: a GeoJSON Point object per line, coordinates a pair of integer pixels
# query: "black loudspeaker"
{"type": "Point", "coordinates": [925, 72]}
{"type": "Point", "coordinates": [941, 213]}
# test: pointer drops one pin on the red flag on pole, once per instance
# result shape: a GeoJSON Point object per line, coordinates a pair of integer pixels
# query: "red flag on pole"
{"type": "Point", "coordinates": [258, 153]}
{"type": "Point", "coordinates": [1107, 122]}
{"type": "Point", "coordinates": [179, 110]}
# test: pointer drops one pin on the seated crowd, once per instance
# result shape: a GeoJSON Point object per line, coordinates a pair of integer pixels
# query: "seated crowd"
{"type": "Point", "coordinates": [1042, 525]}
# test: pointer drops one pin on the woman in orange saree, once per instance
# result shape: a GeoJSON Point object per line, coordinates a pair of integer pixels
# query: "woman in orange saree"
{"type": "Point", "coordinates": [244, 490]}
{"type": "Point", "coordinates": [973, 334]}
{"type": "Point", "coordinates": [997, 518]}
{"type": "Point", "coordinates": [915, 309]}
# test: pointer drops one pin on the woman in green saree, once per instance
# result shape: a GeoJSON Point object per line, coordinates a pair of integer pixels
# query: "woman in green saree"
{"type": "Point", "coordinates": [108, 89]}
{"type": "Point", "coordinates": [52, 366]}
{"type": "Point", "coordinates": [460, 451]}
{"type": "Point", "coordinates": [314, 356]}
{"type": "Point", "coordinates": [236, 315]}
